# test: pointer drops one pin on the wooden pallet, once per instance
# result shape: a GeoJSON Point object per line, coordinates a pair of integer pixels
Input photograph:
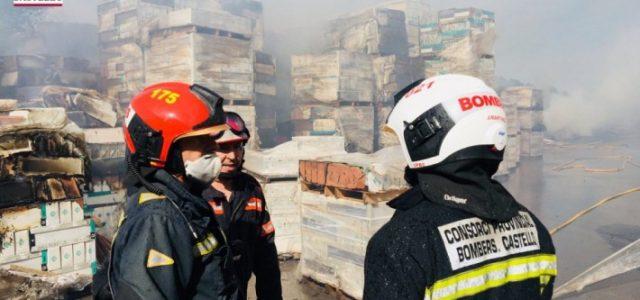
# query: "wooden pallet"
{"type": "Point", "coordinates": [238, 102]}
{"type": "Point", "coordinates": [355, 195]}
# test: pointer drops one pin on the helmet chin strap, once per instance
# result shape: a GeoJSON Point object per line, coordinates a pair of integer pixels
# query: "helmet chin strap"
{"type": "Point", "coordinates": [134, 168]}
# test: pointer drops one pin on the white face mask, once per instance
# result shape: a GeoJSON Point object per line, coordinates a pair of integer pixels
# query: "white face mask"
{"type": "Point", "coordinates": [204, 169]}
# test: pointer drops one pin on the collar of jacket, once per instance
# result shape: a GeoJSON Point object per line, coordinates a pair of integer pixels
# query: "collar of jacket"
{"type": "Point", "coordinates": [467, 185]}
{"type": "Point", "coordinates": [195, 209]}
{"type": "Point", "coordinates": [241, 190]}
{"type": "Point", "coordinates": [407, 200]}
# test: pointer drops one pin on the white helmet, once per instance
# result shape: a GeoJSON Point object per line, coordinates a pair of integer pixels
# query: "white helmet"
{"type": "Point", "coordinates": [441, 115]}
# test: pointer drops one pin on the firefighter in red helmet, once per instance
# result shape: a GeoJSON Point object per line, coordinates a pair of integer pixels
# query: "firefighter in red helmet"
{"type": "Point", "coordinates": [168, 244]}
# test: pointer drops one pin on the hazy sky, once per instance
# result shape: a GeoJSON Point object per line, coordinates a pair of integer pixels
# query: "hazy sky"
{"type": "Point", "coordinates": [588, 48]}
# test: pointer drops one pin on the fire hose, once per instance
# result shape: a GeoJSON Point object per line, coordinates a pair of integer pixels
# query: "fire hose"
{"type": "Point", "coordinates": [589, 209]}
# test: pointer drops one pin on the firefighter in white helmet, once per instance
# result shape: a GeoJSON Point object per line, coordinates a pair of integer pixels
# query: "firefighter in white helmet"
{"type": "Point", "coordinates": [457, 232]}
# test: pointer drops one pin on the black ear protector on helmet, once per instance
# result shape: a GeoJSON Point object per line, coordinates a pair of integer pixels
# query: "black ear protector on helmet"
{"type": "Point", "coordinates": [425, 134]}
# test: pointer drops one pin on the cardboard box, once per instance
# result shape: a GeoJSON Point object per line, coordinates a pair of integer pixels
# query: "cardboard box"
{"type": "Point", "coordinates": [66, 256]}
{"type": "Point", "coordinates": [79, 255]}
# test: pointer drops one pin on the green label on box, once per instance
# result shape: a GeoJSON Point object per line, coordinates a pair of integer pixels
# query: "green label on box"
{"type": "Point", "coordinates": [44, 257]}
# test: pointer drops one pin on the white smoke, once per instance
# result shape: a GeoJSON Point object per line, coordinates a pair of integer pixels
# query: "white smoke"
{"type": "Point", "coordinates": [611, 104]}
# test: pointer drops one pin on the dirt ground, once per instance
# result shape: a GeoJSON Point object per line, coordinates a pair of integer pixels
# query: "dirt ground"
{"type": "Point", "coordinates": [27, 286]}
{"type": "Point", "coordinates": [295, 287]}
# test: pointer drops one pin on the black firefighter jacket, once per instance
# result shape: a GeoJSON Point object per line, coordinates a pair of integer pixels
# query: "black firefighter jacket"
{"type": "Point", "coordinates": [442, 243]}
{"type": "Point", "coordinates": [169, 247]}
{"type": "Point", "coordinates": [247, 223]}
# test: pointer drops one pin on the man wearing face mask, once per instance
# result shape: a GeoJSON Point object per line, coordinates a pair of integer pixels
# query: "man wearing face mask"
{"type": "Point", "coordinates": [169, 245]}
{"type": "Point", "coordinates": [241, 211]}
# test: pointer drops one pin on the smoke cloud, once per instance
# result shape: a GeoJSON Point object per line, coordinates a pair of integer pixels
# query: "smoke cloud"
{"type": "Point", "coordinates": [610, 104]}
{"type": "Point", "coordinates": [583, 49]}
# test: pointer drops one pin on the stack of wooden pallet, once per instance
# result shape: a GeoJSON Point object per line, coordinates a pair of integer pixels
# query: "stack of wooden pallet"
{"type": "Point", "coordinates": [23, 77]}
{"type": "Point", "coordinates": [334, 94]}
{"type": "Point", "coordinates": [377, 31]}
{"type": "Point", "coordinates": [416, 13]}
{"type": "Point", "coordinates": [251, 9]}
{"type": "Point", "coordinates": [122, 26]}
{"type": "Point", "coordinates": [347, 90]}
{"type": "Point", "coordinates": [511, 157]}
{"type": "Point", "coordinates": [530, 118]}
{"type": "Point", "coordinates": [43, 161]}
{"type": "Point", "coordinates": [212, 48]}
{"type": "Point", "coordinates": [215, 43]}
{"type": "Point", "coordinates": [343, 203]}
{"type": "Point", "coordinates": [265, 97]}
{"type": "Point", "coordinates": [461, 41]}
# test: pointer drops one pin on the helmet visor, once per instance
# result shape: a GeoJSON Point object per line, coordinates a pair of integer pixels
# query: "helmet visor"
{"type": "Point", "coordinates": [237, 132]}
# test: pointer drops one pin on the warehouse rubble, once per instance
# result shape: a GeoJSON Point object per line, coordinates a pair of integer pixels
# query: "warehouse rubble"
{"type": "Point", "coordinates": [44, 230]}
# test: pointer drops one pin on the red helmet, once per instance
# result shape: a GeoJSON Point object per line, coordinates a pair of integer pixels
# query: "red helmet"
{"type": "Point", "coordinates": [165, 112]}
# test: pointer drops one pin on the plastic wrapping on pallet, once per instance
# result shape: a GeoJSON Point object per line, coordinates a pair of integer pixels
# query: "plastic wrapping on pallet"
{"type": "Point", "coordinates": [470, 54]}
{"type": "Point", "coordinates": [106, 148]}
{"type": "Point", "coordinates": [121, 24]}
{"type": "Point", "coordinates": [461, 41]}
{"type": "Point", "coordinates": [392, 73]}
{"type": "Point", "coordinates": [283, 206]}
